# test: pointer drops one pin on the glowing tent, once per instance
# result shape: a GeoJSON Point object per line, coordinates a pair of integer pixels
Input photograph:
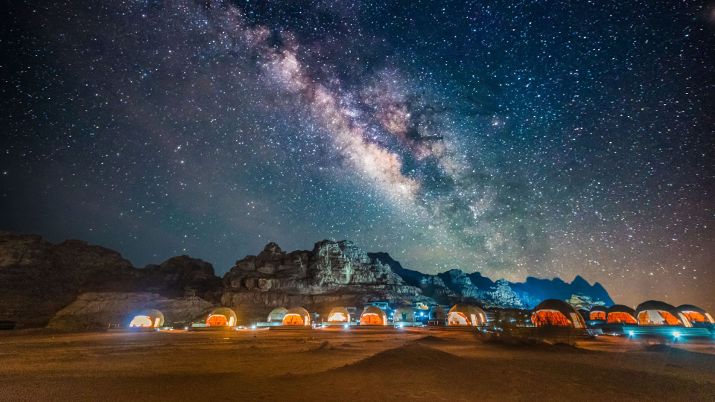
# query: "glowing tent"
{"type": "Point", "coordinates": [466, 315]}
{"type": "Point", "coordinates": [556, 313]}
{"type": "Point", "coordinates": [658, 313]}
{"type": "Point", "coordinates": [695, 314]}
{"type": "Point", "coordinates": [620, 314]}
{"type": "Point", "coordinates": [296, 317]}
{"type": "Point", "coordinates": [372, 315]}
{"type": "Point", "coordinates": [221, 317]}
{"type": "Point", "coordinates": [149, 318]}
{"type": "Point", "coordinates": [339, 315]}
{"type": "Point", "coordinates": [404, 314]}
{"type": "Point", "coordinates": [277, 314]}
{"type": "Point", "coordinates": [597, 313]}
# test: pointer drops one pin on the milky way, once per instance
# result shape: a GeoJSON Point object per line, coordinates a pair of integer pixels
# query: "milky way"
{"type": "Point", "coordinates": [526, 138]}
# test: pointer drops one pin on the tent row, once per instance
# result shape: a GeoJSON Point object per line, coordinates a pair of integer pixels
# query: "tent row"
{"type": "Point", "coordinates": [652, 313]}
{"type": "Point", "coordinates": [558, 313]}
{"type": "Point", "coordinates": [458, 315]}
{"type": "Point", "coordinates": [152, 318]}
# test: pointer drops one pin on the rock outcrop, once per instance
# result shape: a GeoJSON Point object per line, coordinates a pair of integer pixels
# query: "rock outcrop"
{"type": "Point", "coordinates": [38, 278]}
{"type": "Point", "coordinates": [333, 273]}
{"type": "Point", "coordinates": [100, 310]}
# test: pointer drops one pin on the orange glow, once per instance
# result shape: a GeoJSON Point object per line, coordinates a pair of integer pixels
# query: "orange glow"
{"type": "Point", "coordinates": [371, 319]}
{"type": "Point", "coordinates": [217, 320]}
{"type": "Point", "coordinates": [457, 318]}
{"type": "Point", "coordinates": [597, 315]}
{"type": "Point", "coordinates": [621, 318]}
{"type": "Point", "coordinates": [293, 319]}
{"type": "Point", "coordinates": [695, 316]}
{"type": "Point", "coordinates": [550, 318]}
{"type": "Point", "coordinates": [657, 317]}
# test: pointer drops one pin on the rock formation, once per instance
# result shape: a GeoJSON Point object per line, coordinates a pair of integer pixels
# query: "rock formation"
{"type": "Point", "coordinates": [84, 286]}
{"type": "Point", "coordinates": [114, 309]}
{"type": "Point", "coordinates": [333, 273]}
{"type": "Point", "coordinates": [38, 278]}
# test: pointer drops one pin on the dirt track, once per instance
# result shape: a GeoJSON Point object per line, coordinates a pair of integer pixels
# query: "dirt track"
{"type": "Point", "coordinates": [338, 365]}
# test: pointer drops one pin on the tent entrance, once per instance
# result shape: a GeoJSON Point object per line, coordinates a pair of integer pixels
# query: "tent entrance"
{"type": "Point", "coordinates": [293, 319]}
{"type": "Point", "coordinates": [457, 318]}
{"type": "Point", "coordinates": [371, 319]}
{"type": "Point", "coordinates": [217, 320]}
{"type": "Point", "coordinates": [142, 321]}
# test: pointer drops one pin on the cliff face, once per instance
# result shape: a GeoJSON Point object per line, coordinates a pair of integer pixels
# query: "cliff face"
{"type": "Point", "coordinates": [97, 310]}
{"type": "Point", "coordinates": [91, 283]}
{"type": "Point", "coordinates": [38, 278]}
{"type": "Point", "coordinates": [332, 273]}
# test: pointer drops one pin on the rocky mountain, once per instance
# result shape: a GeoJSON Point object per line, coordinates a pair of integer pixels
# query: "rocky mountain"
{"type": "Point", "coordinates": [455, 285]}
{"type": "Point", "coordinates": [333, 273]}
{"type": "Point", "coordinates": [74, 284]}
{"type": "Point", "coordinates": [38, 278]}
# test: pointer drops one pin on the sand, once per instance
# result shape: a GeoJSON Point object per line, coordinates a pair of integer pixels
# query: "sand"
{"type": "Point", "coordinates": [374, 365]}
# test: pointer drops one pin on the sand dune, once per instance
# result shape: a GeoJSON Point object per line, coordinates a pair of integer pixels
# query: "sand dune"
{"type": "Point", "coordinates": [338, 365]}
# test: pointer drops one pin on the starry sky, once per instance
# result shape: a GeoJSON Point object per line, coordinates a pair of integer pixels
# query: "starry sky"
{"type": "Point", "coordinates": [525, 138]}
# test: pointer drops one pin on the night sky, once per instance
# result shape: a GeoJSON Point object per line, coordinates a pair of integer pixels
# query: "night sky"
{"type": "Point", "coordinates": [538, 138]}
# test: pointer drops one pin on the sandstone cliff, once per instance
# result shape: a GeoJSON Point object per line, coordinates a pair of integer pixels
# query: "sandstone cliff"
{"type": "Point", "coordinates": [333, 273]}
{"type": "Point", "coordinates": [38, 278]}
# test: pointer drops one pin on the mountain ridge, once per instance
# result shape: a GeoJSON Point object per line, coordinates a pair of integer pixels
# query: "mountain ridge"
{"type": "Point", "coordinates": [38, 278]}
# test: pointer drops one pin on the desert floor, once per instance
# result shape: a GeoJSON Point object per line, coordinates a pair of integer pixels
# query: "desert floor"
{"type": "Point", "coordinates": [359, 364]}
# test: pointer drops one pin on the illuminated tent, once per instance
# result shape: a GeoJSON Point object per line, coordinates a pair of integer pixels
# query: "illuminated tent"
{"type": "Point", "coordinates": [404, 314]}
{"type": "Point", "coordinates": [466, 315]}
{"type": "Point", "coordinates": [296, 317]}
{"type": "Point", "coordinates": [556, 313]}
{"type": "Point", "coordinates": [695, 314]}
{"type": "Point", "coordinates": [372, 315]}
{"type": "Point", "coordinates": [277, 314]}
{"type": "Point", "coordinates": [620, 314]}
{"type": "Point", "coordinates": [597, 313]}
{"type": "Point", "coordinates": [149, 318]}
{"type": "Point", "coordinates": [658, 313]}
{"type": "Point", "coordinates": [221, 317]}
{"type": "Point", "coordinates": [339, 315]}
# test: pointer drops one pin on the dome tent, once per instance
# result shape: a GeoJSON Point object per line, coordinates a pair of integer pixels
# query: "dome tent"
{"type": "Point", "coordinates": [466, 315]}
{"type": "Point", "coordinates": [556, 313]}
{"type": "Point", "coordinates": [695, 314]}
{"type": "Point", "coordinates": [597, 313]}
{"type": "Point", "coordinates": [620, 314]}
{"type": "Point", "coordinates": [221, 317]}
{"type": "Point", "coordinates": [658, 313]}
{"type": "Point", "coordinates": [339, 315]}
{"type": "Point", "coordinates": [277, 314]}
{"type": "Point", "coordinates": [148, 318]}
{"type": "Point", "coordinates": [297, 316]}
{"type": "Point", "coordinates": [372, 315]}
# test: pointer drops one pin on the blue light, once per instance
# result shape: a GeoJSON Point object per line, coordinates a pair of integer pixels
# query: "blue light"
{"type": "Point", "coordinates": [631, 333]}
{"type": "Point", "coordinates": [346, 326]}
{"type": "Point", "coordinates": [253, 327]}
{"type": "Point", "coordinates": [676, 334]}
